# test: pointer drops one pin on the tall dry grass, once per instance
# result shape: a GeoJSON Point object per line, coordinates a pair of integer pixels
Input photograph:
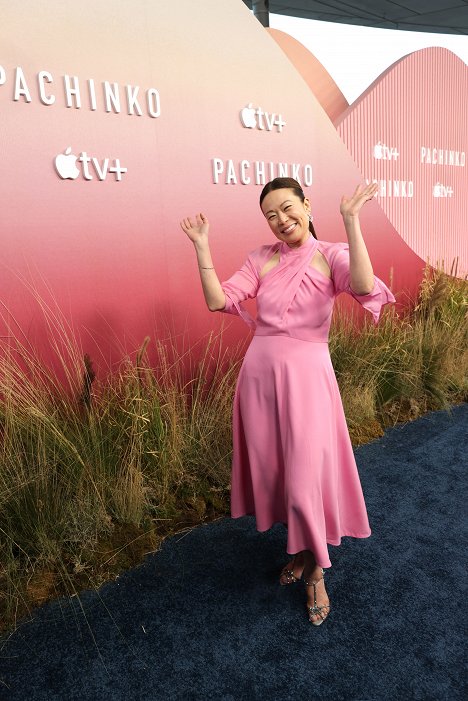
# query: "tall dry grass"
{"type": "Point", "coordinates": [91, 468]}
{"type": "Point", "coordinates": [407, 364]}
{"type": "Point", "coordinates": [84, 462]}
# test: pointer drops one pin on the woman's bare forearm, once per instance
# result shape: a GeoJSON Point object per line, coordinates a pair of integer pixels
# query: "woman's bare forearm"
{"type": "Point", "coordinates": [360, 266]}
{"type": "Point", "coordinates": [212, 290]}
{"type": "Point", "coordinates": [197, 231]}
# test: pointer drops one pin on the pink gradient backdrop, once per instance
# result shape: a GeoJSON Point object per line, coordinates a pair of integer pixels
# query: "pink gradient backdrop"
{"type": "Point", "coordinates": [112, 253]}
{"type": "Point", "coordinates": [418, 103]}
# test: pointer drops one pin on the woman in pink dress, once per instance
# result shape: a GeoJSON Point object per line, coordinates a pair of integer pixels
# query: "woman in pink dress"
{"type": "Point", "coordinates": [292, 456]}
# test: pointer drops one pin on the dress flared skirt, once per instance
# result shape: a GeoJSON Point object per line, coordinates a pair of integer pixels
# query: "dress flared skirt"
{"type": "Point", "coordinates": [293, 461]}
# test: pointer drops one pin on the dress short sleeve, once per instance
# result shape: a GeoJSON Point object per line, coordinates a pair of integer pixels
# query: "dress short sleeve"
{"type": "Point", "coordinates": [375, 300]}
{"type": "Point", "coordinates": [239, 287]}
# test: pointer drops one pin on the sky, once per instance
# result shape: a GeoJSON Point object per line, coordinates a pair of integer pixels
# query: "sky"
{"type": "Point", "coordinates": [355, 56]}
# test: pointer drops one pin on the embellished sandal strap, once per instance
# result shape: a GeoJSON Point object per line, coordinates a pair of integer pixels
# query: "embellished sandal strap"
{"type": "Point", "coordinates": [314, 582]}
{"type": "Point", "coordinates": [317, 608]}
{"type": "Point", "coordinates": [317, 611]}
{"type": "Point", "coordinates": [290, 574]}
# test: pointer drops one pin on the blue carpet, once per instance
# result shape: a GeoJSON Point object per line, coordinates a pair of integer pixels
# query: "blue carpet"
{"type": "Point", "coordinates": [204, 618]}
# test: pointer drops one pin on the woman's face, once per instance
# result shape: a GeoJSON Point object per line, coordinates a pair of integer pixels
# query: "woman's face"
{"type": "Point", "coordinates": [287, 216]}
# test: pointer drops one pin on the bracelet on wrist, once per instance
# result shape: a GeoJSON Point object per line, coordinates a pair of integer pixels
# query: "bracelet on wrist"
{"type": "Point", "coordinates": [201, 267]}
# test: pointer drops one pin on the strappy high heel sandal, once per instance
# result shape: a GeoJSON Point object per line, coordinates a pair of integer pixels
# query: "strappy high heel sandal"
{"type": "Point", "coordinates": [316, 610]}
{"type": "Point", "coordinates": [289, 574]}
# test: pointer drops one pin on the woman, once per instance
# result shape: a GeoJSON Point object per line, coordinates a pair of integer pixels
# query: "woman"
{"type": "Point", "coordinates": [293, 461]}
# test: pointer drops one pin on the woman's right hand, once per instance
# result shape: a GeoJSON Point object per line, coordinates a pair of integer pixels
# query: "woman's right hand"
{"type": "Point", "coordinates": [197, 232]}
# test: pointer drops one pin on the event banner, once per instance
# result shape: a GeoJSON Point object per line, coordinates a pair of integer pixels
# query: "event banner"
{"type": "Point", "coordinates": [408, 132]}
{"type": "Point", "coordinates": [118, 119]}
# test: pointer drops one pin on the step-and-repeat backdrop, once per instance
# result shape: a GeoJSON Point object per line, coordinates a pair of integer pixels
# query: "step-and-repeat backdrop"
{"type": "Point", "coordinates": [118, 119]}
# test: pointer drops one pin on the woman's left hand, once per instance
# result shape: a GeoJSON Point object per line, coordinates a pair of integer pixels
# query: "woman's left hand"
{"type": "Point", "coordinates": [351, 206]}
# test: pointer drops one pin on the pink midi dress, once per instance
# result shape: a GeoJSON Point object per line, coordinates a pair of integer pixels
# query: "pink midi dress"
{"type": "Point", "coordinates": [293, 461]}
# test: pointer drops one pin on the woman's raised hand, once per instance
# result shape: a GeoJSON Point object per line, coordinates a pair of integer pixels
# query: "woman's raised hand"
{"type": "Point", "coordinates": [351, 206]}
{"type": "Point", "coordinates": [197, 232]}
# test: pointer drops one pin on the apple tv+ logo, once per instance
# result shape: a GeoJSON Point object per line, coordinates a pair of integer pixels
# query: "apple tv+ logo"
{"type": "Point", "coordinates": [256, 118]}
{"type": "Point", "coordinates": [65, 165]}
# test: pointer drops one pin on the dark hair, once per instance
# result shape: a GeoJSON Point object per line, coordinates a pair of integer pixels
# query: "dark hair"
{"type": "Point", "coordinates": [290, 184]}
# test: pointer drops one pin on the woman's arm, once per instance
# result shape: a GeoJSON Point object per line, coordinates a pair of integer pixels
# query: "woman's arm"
{"type": "Point", "coordinates": [360, 266]}
{"type": "Point", "coordinates": [198, 235]}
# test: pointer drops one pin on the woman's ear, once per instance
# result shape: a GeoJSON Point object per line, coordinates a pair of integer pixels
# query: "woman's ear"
{"type": "Point", "coordinates": [307, 206]}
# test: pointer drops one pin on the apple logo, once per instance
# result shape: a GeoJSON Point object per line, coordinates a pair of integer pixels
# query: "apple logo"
{"type": "Point", "coordinates": [65, 164]}
{"type": "Point", "coordinates": [378, 150]}
{"type": "Point", "coordinates": [247, 116]}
